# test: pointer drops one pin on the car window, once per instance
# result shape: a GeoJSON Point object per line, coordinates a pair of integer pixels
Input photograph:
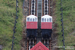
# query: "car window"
{"type": "Point", "coordinates": [27, 19]}
{"type": "Point", "coordinates": [42, 19]}
{"type": "Point", "coordinates": [50, 19]}
{"type": "Point", "coordinates": [30, 19]}
{"type": "Point", "coordinates": [45, 20]}
{"type": "Point", "coordinates": [33, 19]}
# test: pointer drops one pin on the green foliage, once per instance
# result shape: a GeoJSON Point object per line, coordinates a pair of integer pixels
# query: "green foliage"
{"type": "Point", "coordinates": [7, 19]}
{"type": "Point", "coordinates": [68, 18]}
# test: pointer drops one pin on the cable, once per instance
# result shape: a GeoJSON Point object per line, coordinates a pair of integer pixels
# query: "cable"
{"type": "Point", "coordinates": [15, 25]}
{"type": "Point", "coordinates": [61, 9]}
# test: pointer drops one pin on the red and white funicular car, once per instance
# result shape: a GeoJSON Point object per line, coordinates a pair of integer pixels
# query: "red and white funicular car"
{"type": "Point", "coordinates": [46, 25]}
{"type": "Point", "coordinates": [31, 22]}
{"type": "Point", "coordinates": [31, 25]}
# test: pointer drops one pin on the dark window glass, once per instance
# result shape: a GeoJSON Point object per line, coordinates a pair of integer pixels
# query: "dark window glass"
{"type": "Point", "coordinates": [42, 19]}
{"type": "Point", "coordinates": [33, 19]}
{"type": "Point", "coordinates": [50, 19]}
{"type": "Point", "coordinates": [45, 19]}
{"type": "Point", "coordinates": [27, 19]}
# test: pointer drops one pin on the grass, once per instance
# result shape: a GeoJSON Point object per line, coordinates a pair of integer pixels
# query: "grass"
{"type": "Point", "coordinates": [7, 19]}
{"type": "Point", "coordinates": [69, 21]}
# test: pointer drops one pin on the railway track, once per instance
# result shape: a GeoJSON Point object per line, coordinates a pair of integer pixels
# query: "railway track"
{"type": "Point", "coordinates": [38, 8]}
{"type": "Point", "coordinates": [31, 43]}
